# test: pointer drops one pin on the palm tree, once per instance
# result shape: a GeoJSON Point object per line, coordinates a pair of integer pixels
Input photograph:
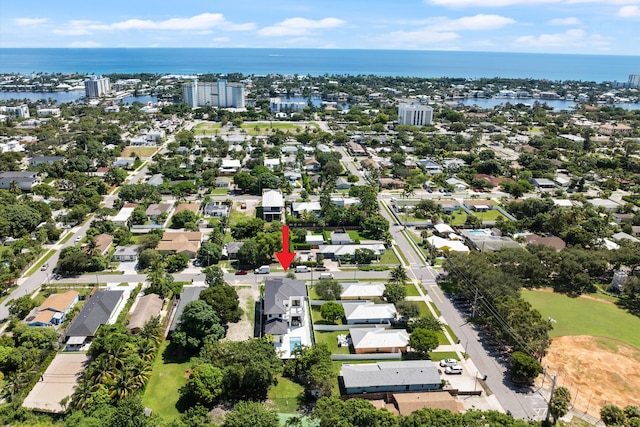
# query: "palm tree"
{"type": "Point", "coordinates": [408, 191]}
{"type": "Point", "coordinates": [398, 275]}
{"type": "Point", "coordinates": [140, 371]}
{"type": "Point", "coordinates": [123, 385]}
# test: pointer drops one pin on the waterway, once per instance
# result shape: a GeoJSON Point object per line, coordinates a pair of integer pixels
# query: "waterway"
{"type": "Point", "coordinates": [63, 97]}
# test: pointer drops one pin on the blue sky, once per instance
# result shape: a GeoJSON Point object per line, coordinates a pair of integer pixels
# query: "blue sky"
{"type": "Point", "coordinates": [545, 26]}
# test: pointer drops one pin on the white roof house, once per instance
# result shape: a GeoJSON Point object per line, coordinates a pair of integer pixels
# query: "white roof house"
{"type": "Point", "coordinates": [460, 185]}
{"type": "Point", "coordinates": [123, 216]}
{"type": "Point", "coordinates": [361, 291]}
{"type": "Point", "coordinates": [272, 199]}
{"type": "Point", "coordinates": [272, 164]}
{"type": "Point", "coordinates": [368, 312]}
{"type": "Point", "coordinates": [447, 245]}
{"type": "Point", "coordinates": [314, 239]}
{"type": "Point", "coordinates": [443, 228]}
{"type": "Point", "coordinates": [368, 340]}
{"type": "Point", "coordinates": [300, 207]}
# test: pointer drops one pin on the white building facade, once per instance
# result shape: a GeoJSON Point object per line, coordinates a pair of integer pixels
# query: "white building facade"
{"type": "Point", "coordinates": [215, 94]}
{"type": "Point", "coordinates": [415, 114]}
{"type": "Point", "coordinates": [96, 87]}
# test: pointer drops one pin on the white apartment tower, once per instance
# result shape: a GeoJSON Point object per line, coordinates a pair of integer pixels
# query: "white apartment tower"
{"type": "Point", "coordinates": [216, 94]}
{"type": "Point", "coordinates": [415, 114]}
{"type": "Point", "coordinates": [634, 80]}
{"type": "Point", "coordinates": [96, 87]}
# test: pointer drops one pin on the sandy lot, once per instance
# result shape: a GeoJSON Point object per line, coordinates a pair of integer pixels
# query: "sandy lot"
{"type": "Point", "coordinates": [243, 330]}
{"type": "Point", "coordinates": [596, 370]}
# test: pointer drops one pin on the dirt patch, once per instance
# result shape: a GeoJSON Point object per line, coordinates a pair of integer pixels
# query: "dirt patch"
{"type": "Point", "coordinates": [243, 329]}
{"type": "Point", "coordinates": [142, 152]}
{"type": "Point", "coordinates": [596, 370]}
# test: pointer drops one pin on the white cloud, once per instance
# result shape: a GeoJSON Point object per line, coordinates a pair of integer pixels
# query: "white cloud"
{"type": "Point", "coordinates": [29, 21]}
{"type": "Point", "coordinates": [564, 21]}
{"type": "Point", "coordinates": [299, 27]}
{"type": "Point", "coordinates": [202, 22]}
{"type": "Point", "coordinates": [477, 22]}
{"type": "Point", "coordinates": [85, 44]}
{"type": "Point", "coordinates": [421, 39]}
{"type": "Point", "coordinates": [629, 12]}
{"type": "Point", "coordinates": [486, 3]}
{"type": "Point", "coordinates": [570, 38]}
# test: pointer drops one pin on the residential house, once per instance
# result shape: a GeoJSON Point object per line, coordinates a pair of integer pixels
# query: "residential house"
{"type": "Point", "coordinates": [444, 246]}
{"type": "Point", "coordinates": [443, 229]}
{"type": "Point", "coordinates": [478, 205]}
{"type": "Point", "coordinates": [156, 180]}
{"type": "Point", "coordinates": [340, 238]}
{"type": "Point", "coordinates": [231, 250]}
{"type": "Point", "coordinates": [356, 149]}
{"type": "Point", "coordinates": [382, 377]}
{"type": "Point", "coordinates": [453, 164]}
{"type": "Point", "coordinates": [147, 307]}
{"type": "Point", "coordinates": [292, 176]}
{"type": "Point", "coordinates": [122, 218]}
{"type": "Point", "coordinates": [285, 314]}
{"type": "Point", "coordinates": [298, 208]}
{"type": "Point", "coordinates": [315, 240]}
{"type": "Point", "coordinates": [606, 204]}
{"type": "Point", "coordinates": [126, 253]}
{"type": "Point", "coordinates": [214, 209]}
{"type": "Point", "coordinates": [342, 184]}
{"type": "Point", "coordinates": [448, 205]}
{"type": "Point", "coordinates": [181, 242]}
{"type": "Point", "coordinates": [361, 291]}
{"type": "Point", "coordinates": [344, 201]}
{"type": "Point", "coordinates": [457, 184]}
{"type": "Point", "coordinates": [369, 313]}
{"type": "Point", "coordinates": [624, 236]}
{"type": "Point", "coordinates": [483, 240]}
{"type": "Point", "coordinates": [100, 309]}
{"type": "Point", "coordinates": [193, 207]}
{"type": "Point", "coordinates": [46, 160]}
{"type": "Point", "coordinates": [312, 165]}
{"type": "Point", "coordinates": [103, 243]}
{"type": "Point", "coordinates": [336, 252]}
{"type": "Point", "coordinates": [379, 340]}
{"type": "Point", "coordinates": [54, 309]}
{"type": "Point", "coordinates": [272, 205]}
{"type": "Point", "coordinates": [223, 182]}
{"type": "Point", "coordinates": [229, 167]}
{"type": "Point", "coordinates": [123, 163]}
{"type": "Point", "coordinates": [553, 242]}
{"type": "Point", "coordinates": [189, 293]}
{"type": "Point", "coordinates": [392, 183]}
{"type": "Point", "coordinates": [100, 172]}
{"type": "Point", "coordinates": [429, 166]}
{"type": "Point", "coordinates": [23, 180]}
{"type": "Point", "coordinates": [156, 209]}
{"type": "Point", "coordinates": [543, 184]}
{"type": "Point", "coordinates": [272, 164]}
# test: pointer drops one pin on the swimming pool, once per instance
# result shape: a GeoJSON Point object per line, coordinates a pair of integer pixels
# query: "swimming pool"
{"type": "Point", "coordinates": [294, 342]}
{"type": "Point", "coordinates": [477, 232]}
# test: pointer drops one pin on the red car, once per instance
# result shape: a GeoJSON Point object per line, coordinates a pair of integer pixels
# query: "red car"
{"type": "Point", "coordinates": [241, 272]}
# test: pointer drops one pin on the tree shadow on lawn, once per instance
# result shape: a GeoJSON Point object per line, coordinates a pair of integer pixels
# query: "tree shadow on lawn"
{"type": "Point", "coordinates": [175, 354]}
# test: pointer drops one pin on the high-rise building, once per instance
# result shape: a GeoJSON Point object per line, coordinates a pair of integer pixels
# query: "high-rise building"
{"type": "Point", "coordinates": [634, 80]}
{"type": "Point", "coordinates": [96, 87]}
{"type": "Point", "coordinates": [216, 94]}
{"type": "Point", "coordinates": [415, 114]}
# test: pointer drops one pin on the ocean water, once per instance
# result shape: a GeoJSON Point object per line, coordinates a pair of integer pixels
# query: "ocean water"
{"type": "Point", "coordinates": [317, 62]}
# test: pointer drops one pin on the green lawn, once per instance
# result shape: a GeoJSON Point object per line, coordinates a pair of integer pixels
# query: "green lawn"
{"type": "Point", "coordinates": [317, 317]}
{"type": "Point", "coordinates": [491, 215]}
{"type": "Point", "coordinates": [220, 191]}
{"type": "Point", "coordinates": [389, 257]}
{"type": "Point", "coordinates": [330, 338]}
{"type": "Point", "coordinates": [581, 316]}
{"type": "Point", "coordinates": [285, 395]}
{"type": "Point", "coordinates": [437, 356]}
{"type": "Point", "coordinates": [312, 293]}
{"type": "Point", "coordinates": [459, 217]}
{"type": "Point", "coordinates": [161, 393]}
{"type": "Point", "coordinates": [237, 215]}
{"type": "Point", "coordinates": [412, 291]}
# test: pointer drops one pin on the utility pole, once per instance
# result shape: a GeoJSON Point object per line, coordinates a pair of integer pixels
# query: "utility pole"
{"type": "Point", "coordinates": [475, 302]}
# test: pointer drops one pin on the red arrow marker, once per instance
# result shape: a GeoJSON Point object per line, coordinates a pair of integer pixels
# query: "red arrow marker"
{"type": "Point", "coordinates": [285, 257]}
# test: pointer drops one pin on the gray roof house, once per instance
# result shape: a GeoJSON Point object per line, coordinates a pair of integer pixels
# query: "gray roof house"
{"type": "Point", "coordinates": [214, 209]}
{"type": "Point", "coordinates": [340, 238]}
{"type": "Point", "coordinates": [408, 375]}
{"type": "Point", "coordinates": [97, 311]}
{"type": "Point", "coordinates": [125, 253]}
{"type": "Point", "coordinates": [24, 180]}
{"type": "Point", "coordinates": [285, 314]}
{"type": "Point", "coordinates": [188, 294]}
{"type": "Point", "coordinates": [156, 180]}
{"type": "Point", "coordinates": [49, 160]}
{"type": "Point", "coordinates": [231, 249]}
{"type": "Point", "coordinates": [123, 163]}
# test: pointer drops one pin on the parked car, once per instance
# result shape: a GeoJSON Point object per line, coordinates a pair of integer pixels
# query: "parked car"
{"type": "Point", "coordinates": [44, 266]}
{"type": "Point", "coordinates": [453, 370]}
{"type": "Point", "coordinates": [263, 269]}
{"type": "Point", "coordinates": [78, 239]}
{"type": "Point", "coordinates": [241, 272]}
{"type": "Point", "coordinates": [326, 275]}
{"type": "Point", "coordinates": [303, 269]}
{"type": "Point", "coordinates": [448, 362]}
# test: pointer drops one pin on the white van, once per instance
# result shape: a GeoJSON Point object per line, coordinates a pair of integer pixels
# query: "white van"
{"type": "Point", "coordinates": [302, 269]}
{"type": "Point", "coordinates": [263, 269]}
{"type": "Point", "coordinates": [453, 370]}
{"type": "Point", "coordinates": [326, 275]}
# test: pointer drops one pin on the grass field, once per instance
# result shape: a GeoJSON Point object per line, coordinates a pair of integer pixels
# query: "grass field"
{"type": "Point", "coordinates": [389, 257]}
{"type": "Point", "coordinates": [317, 317]}
{"type": "Point", "coordinates": [582, 316]}
{"type": "Point", "coordinates": [285, 395]}
{"type": "Point", "coordinates": [330, 338]}
{"type": "Point", "coordinates": [141, 152]}
{"type": "Point", "coordinates": [254, 128]}
{"type": "Point", "coordinates": [459, 217]}
{"type": "Point", "coordinates": [491, 215]}
{"type": "Point", "coordinates": [161, 394]}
